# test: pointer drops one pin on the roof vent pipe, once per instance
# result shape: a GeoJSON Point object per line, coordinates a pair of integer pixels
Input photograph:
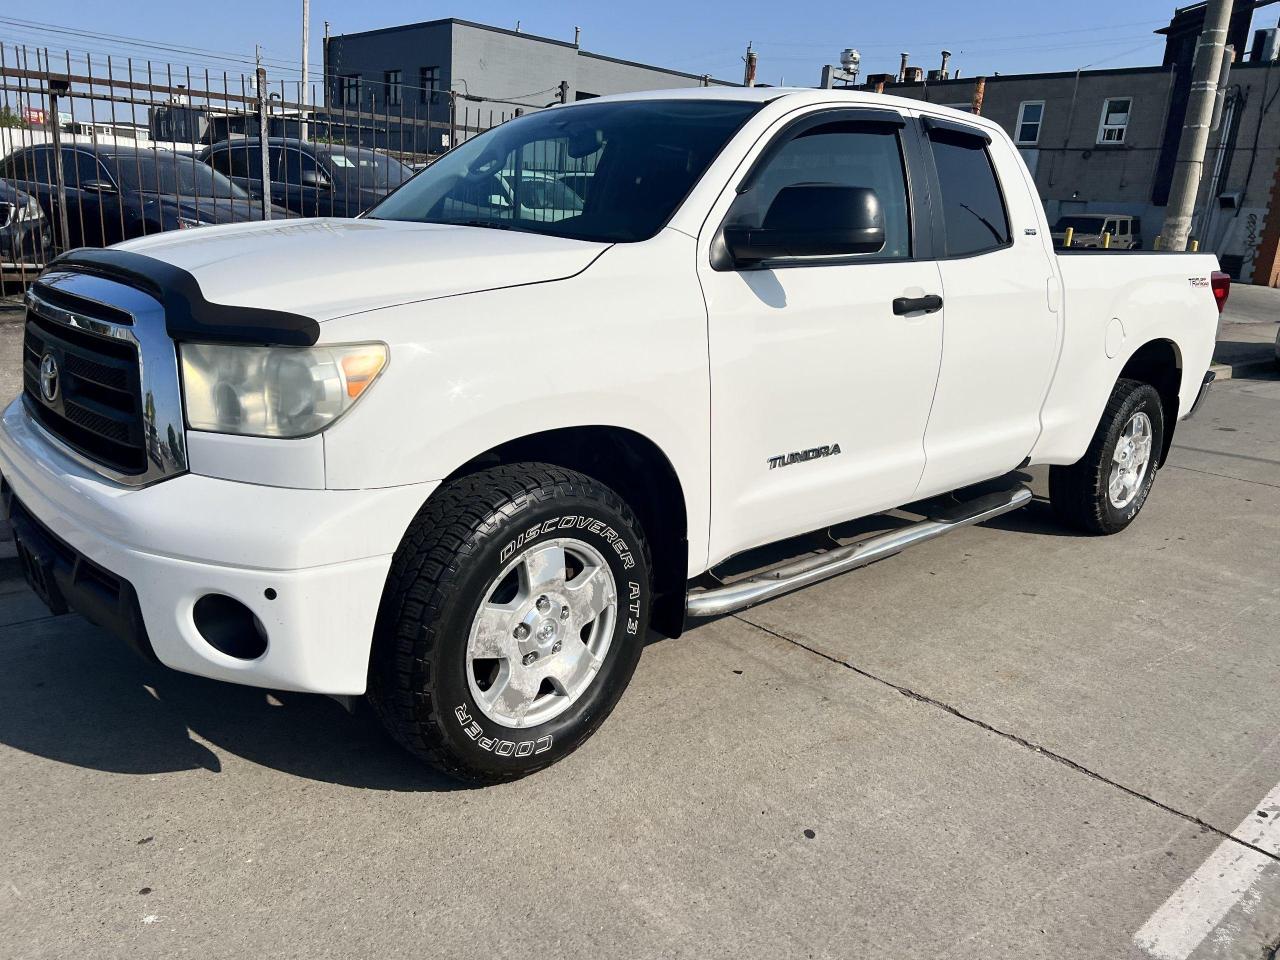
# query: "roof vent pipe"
{"type": "Point", "coordinates": [902, 67]}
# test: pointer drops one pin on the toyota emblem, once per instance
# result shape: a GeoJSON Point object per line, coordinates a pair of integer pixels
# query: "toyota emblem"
{"type": "Point", "coordinates": [49, 378]}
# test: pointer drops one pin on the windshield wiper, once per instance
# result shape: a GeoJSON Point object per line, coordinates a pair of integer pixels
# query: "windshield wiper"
{"type": "Point", "coordinates": [491, 224]}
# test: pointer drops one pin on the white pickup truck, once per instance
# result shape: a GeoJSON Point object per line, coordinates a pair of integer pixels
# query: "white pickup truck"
{"type": "Point", "coordinates": [463, 453]}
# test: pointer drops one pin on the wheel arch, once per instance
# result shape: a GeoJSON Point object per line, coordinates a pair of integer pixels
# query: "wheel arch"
{"type": "Point", "coordinates": [1159, 363]}
{"type": "Point", "coordinates": [638, 470]}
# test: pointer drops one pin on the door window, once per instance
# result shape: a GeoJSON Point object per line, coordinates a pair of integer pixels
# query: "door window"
{"type": "Point", "coordinates": [79, 167]}
{"type": "Point", "coordinates": [220, 160]}
{"type": "Point", "coordinates": [244, 161]}
{"type": "Point", "coordinates": [841, 153]}
{"type": "Point", "coordinates": [972, 207]}
{"type": "Point", "coordinates": [34, 166]}
{"type": "Point", "coordinates": [290, 167]}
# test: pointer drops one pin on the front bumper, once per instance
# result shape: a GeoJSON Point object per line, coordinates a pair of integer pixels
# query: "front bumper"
{"type": "Point", "coordinates": [309, 564]}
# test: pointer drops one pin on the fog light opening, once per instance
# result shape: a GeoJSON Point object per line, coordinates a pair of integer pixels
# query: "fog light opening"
{"type": "Point", "coordinates": [230, 627]}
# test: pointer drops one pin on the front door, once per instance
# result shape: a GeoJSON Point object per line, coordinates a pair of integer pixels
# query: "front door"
{"type": "Point", "coordinates": [820, 390]}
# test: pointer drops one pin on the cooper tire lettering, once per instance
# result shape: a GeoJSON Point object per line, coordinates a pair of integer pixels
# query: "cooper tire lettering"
{"type": "Point", "coordinates": [495, 745]}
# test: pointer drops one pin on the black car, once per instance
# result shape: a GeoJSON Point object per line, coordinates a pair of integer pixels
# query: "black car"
{"type": "Point", "coordinates": [25, 236]}
{"type": "Point", "coordinates": [310, 179]}
{"type": "Point", "coordinates": [119, 192]}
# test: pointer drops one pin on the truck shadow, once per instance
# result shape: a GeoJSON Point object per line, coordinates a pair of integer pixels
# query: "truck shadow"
{"type": "Point", "coordinates": [72, 694]}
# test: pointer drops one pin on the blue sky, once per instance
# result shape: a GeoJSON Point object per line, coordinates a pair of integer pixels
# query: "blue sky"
{"type": "Point", "coordinates": [793, 39]}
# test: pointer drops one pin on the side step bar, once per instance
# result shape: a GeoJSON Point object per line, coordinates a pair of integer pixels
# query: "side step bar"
{"type": "Point", "coordinates": [811, 570]}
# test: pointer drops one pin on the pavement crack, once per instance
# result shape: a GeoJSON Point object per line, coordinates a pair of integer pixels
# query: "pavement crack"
{"type": "Point", "coordinates": [1022, 742]}
{"type": "Point", "coordinates": [1220, 476]}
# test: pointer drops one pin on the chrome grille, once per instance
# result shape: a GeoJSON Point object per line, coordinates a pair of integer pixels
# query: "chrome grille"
{"type": "Point", "coordinates": [101, 420]}
{"type": "Point", "coordinates": [100, 376]}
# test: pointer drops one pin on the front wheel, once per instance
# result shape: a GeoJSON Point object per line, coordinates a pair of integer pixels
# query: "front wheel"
{"type": "Point", "coordinates": [513, 618]}
{"type": "Point", "coordinates": [1105, 489]}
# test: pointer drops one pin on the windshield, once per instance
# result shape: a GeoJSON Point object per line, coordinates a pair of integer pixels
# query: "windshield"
{"type": "Point", "coordinates": [604, 171]}
{"type": "Point", "coordinates": [169, 173]}
{"type": "Point", "coordinates": [364, 169]}
{"type": "Point", "coordinates": [1080, 224]}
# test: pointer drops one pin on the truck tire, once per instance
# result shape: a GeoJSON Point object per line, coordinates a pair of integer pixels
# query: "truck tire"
{"type": "Point", "coordinates": [1105, 489]}
{"type": "Point", "coordinates": [513, 618]}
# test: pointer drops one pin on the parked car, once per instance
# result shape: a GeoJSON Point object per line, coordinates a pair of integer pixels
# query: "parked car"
{"type": "Point", "coordinates": [307, 178]}
{"type": "Point", "coordinates": [25, 236]}
{"type": "Point", "coordinates": [1125, 231]}
{"type": "Point", "coordinates": [117, 193]}
{"type": "Point", "coordinates": [463, 459]}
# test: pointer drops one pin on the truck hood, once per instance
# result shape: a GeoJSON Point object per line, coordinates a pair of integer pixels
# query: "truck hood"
{"type": "Point", "coordinates": [328, 267]}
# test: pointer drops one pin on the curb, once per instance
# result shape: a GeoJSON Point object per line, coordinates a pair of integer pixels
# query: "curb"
{"type": "Point", "coordinates": [1245, 368]}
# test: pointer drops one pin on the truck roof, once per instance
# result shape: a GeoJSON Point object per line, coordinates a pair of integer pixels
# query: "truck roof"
{"type": "Point", "coordinates": [794, 96]}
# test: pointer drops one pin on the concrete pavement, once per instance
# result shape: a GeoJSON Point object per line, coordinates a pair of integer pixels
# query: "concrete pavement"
{"type": "Point", "coordinates": [1010, 743]}
{"type": "Point", "coordinates": [1247, 334]}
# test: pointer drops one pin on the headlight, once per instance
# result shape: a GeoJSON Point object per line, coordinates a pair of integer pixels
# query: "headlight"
{"type": "Point", "coordinates": [29, 210]}
{"type": "Point", "coordinates": [275, 391]}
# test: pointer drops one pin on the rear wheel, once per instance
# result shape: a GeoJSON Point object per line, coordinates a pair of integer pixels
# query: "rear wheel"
{"type": "Point", "coordinates": [1103, 492]}
{"type": "Point", "coordinates": [513, 618]}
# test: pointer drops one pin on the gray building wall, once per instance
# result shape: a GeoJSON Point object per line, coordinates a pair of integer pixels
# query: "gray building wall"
{"type": "Point", "coordinates": [487, 62]}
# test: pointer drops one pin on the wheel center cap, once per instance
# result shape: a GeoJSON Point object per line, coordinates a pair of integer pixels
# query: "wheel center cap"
{"type": "Point", "coordinates": [547, 631]}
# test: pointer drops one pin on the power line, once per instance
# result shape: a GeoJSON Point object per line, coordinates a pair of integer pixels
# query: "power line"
{"type": "Point", "coordinates": [916, 41]}
{"type": "Point", "coordinates": [39, 29]}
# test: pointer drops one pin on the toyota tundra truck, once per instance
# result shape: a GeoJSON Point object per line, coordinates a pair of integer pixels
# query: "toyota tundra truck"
{"type": "Point", "coordinates": [463, 454]}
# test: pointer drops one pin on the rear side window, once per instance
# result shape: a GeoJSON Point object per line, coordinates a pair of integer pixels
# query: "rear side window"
{"type": "Point", "coordinates": [972, 207]}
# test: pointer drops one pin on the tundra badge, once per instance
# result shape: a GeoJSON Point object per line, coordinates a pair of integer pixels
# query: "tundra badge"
{"type": "Point", "coordinates": [813, 453]}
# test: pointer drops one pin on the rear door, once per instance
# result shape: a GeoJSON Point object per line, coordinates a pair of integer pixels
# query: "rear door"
{"type": "Point", "coordinates": [820, 387]}
{"type": "Point", "coordinates": [1001, 333]}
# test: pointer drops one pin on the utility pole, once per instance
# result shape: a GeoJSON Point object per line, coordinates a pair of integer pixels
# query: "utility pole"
{"type": "Point", "coordinates": [57, 87]}
{"type": "Point", "coordinates": [305, 99]}
{"type": "Point", "coordinates": [1195, 129]}
{"type": "Point", "coordinates": [749, 72]}
{"type": "Point", "coordinates": [260, 75]}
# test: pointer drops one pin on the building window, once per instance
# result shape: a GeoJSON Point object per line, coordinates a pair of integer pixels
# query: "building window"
{"type": "Point", "coordinates": [391, 88]}
{"type": "Point", "coordinates": [428, 83]}
{"type": "Point", "coordinates": [350, 90]}
{"type": "Point", "coordinates": [1029, 116]}
{"type": "Point", "coordinates": [1115, 120]}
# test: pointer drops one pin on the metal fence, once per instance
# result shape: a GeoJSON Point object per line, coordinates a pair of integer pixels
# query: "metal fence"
{"type": "Point", "coordinates": [95, 150]}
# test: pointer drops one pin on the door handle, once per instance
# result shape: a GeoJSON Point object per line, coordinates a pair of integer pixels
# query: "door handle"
{"type": "Point", "coordinates": [929, 304]}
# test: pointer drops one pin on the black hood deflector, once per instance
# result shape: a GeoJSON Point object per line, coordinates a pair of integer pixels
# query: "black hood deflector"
{"type": "Point", "coordinates": [188, 315]}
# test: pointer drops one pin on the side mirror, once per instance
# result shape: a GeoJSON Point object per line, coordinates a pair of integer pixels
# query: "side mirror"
{"type": "Point", "coordinates": [810, 220]}
{"type": "Point", "coordinates": [314, 178]}
{"type": "Point", "coordinates": [99, 186]}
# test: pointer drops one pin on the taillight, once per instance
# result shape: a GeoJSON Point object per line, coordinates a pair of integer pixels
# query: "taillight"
{"type": "Point", "coordinates": [1221, 283]}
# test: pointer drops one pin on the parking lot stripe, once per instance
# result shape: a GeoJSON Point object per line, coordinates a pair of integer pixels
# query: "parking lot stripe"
{"type": "Point", "coordinates": [1197, 907]}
